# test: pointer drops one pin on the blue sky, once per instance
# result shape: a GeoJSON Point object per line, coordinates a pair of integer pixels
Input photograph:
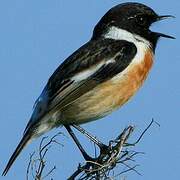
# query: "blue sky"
{"type": "Point", "coordinates": [36, 36]}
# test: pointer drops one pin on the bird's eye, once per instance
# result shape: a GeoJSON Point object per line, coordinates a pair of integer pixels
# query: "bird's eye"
{"type": "Point", "coordinates": [142, 21]}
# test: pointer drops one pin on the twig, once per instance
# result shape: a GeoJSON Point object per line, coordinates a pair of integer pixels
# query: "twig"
{"type": "Point", "coordinates": [38, 164]}
{"type": "Point", "coordinates": [142, 134]}
{"type": "Point", "coordinates": [29, 165]}
{"type": "Point", "coordinates": [105, 163]}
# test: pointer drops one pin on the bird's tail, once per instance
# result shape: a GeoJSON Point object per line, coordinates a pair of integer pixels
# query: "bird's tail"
{"type": "Point", "coordinates": [24, 141]}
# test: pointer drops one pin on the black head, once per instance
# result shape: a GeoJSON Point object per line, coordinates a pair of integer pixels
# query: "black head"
{"type": "Point", "coordinates": [136, 18]}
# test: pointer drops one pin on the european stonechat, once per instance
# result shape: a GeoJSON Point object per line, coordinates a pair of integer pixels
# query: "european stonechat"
{"type": "Point", "coordinates": [100, 76]}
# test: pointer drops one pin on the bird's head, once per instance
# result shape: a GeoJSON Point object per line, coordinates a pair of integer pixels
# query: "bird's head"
{"type": "Point", "coordinates": [135, 18]}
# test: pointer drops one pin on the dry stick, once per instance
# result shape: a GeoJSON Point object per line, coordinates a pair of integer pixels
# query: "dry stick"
{"type": "Point", "coordinates": [142, 134]}
{"type": "Point", "coordinates": [29, 165]}
{"type": "Point", "coordinates": [103, 163]}
{"type": "Point", "coordinates": [43, 149]}
{"type": "Point", "coordinates": [106, 162]}
{"type": "Point", "coordinates": [129, 169]}
{"type": "Point", "coordinates": [49, 172]}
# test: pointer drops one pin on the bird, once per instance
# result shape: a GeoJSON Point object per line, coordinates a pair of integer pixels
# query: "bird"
{"type": "Point", "coordinates": [100, 76]}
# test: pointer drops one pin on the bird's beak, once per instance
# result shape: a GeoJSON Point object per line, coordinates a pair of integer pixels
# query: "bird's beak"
{"type": "Point", "coordinates": [159, 18]}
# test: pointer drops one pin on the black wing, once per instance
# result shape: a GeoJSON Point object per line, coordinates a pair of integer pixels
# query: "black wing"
{"type": "Point", "coordinates": [114, 55]}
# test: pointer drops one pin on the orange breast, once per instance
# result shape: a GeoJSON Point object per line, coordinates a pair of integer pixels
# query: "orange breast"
{"type": "Point", "coordinates": [111, 94]}
{"type": "Point", "coordinates": [134, 78]}
{"type": "Point", "coordinates": [121, 89]}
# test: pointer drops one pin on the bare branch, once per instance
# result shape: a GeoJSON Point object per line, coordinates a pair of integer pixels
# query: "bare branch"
{"type": "Point", "coordinates": [116, 154]}
{"type": "Point", "coordinates": [37, 165]}
{"type": "Point", "coordinates": [29, 165]}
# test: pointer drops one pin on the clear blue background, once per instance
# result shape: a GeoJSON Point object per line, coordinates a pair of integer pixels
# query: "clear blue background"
{"type": "Point", "coordinates": [36, 36]}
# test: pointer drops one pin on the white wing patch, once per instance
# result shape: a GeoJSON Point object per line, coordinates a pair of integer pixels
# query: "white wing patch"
{"type": "Point", "coordinates": [87, 73]}
{"type": "Point", "coordinates": [117, 34]}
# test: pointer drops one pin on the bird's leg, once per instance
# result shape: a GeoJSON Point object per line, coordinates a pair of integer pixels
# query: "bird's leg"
{"type": "Point", "coordinates": [102, 146]}
{"type": "Point", "coordinates": [85, 155]}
